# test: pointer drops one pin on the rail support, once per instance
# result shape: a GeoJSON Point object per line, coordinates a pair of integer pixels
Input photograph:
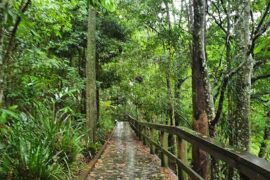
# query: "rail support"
{"type": "Point", "coordinates": [164, 145]}
{"type": "Point", "coordinates": [139, 132]}
{"type": "Point", "coordinates": [143, 131]}
{"type": "Point", "coordinates": [152, 136]}
{"type": "Point", "coordinates": [248, 165]}
{"type": "Point", "coordinates": [182, 154]}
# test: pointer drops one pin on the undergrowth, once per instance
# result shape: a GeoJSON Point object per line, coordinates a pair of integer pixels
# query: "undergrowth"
{"type": "Point", "coordinates": [45, 146]}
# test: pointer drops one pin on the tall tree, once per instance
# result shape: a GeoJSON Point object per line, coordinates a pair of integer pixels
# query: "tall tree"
{"type": "Point", "coordinates": [240, 85]}
{"type": "Point", "coordinates": [202, 109]}
{"type": "Point", "coordinates": [169, 79]}
{"type": "Point", "coordinates": [91, 93]}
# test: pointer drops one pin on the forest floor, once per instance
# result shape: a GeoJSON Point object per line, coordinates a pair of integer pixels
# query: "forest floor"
{"type": "Point", "coordinates": [127, 158]}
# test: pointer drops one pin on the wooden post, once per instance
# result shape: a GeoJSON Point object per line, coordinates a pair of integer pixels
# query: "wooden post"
{"type": "Point", "coordinates": [139, 131]}
{"type": "Point", "coordinates": [143, 130]}
{"type": "Point", "coordinates": [152, 147]}
{"type": "Point", "coordinates": [164, 144]}
{"type": "Point", "coordinates": [182, 154]}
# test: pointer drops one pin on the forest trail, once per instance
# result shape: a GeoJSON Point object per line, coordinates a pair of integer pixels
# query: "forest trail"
{"type": "Point", "coordinates": [127, 158]}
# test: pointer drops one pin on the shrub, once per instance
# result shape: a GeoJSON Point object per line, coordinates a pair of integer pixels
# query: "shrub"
{"type": "Point", "coordinates": [39, 148]}
{"type": "Point", "coordinates": [67, 143]}
{"type": "Point", "coordinates": [89, 149]}
{"type": "Point", "coordinates": [27, 157]}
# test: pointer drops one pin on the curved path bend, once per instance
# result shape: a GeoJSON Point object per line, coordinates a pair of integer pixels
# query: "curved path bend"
{"type": "Point", "coordinates": [126, 158]}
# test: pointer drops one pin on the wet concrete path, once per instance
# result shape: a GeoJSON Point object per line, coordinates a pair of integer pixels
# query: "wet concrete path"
{"type": "Point", "coordinates": [126, 158]}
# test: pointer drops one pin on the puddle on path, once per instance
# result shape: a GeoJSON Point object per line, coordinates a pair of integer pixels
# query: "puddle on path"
{"type": "Point", "coordinates": [126, 158]}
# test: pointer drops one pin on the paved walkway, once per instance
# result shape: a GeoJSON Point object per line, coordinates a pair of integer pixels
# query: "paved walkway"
{"type": "Point", "coordinates": [126, 158]}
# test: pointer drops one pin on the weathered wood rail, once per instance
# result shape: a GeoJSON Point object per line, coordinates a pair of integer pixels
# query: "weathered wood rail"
{"type": "Point", "coordinates": [250, 166]}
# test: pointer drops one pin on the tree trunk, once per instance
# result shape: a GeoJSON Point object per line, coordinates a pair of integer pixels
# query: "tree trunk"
{"type": "Point", "coordinates": [202, 110]}
{"type": "Point", "coordinates": [169, 78]}
{"type": "Point", "coordinates": [7, 50]}
{"type": "Point", "coordinates": [240, 85]}
{"type": "Point", "coordinates": [91, 105]}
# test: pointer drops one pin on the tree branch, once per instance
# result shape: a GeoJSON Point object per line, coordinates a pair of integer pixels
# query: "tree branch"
{"type": "Point", "coordinates": [218, 22]}
{"type": "Point", "coordinates": [220, 103]}
{"type": "Point", "coordinates": [15, 28]}
{"type": "Point", "coordinates": [262, 19]}
{"type": "Point", "coordinates": [254, 79]}
{"type": "Point", "coordinates": [222, 93]}
{"type": "Point", "coordinates": [259, 29]}
{"type": "Point", "coordinates": [260, 63]}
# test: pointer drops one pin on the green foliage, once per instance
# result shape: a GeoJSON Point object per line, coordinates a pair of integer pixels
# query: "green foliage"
{"type": "Point", "coordinates": [28, 154]}
{"type": "Point", "coordinates": [109, 5]}
{"type": "Point", "coordinates": [89, 148]}
{"type": "Point", "coordinates": [42, 132]}
{"type": "Point", "coordinates": [106, 121]}
{"type": "Point", "coordinates": [42, 128]}
{"type": "Point", "coordinates": [32, 161]}
{"type": "Point", "coordinates": [64, 140]}
{"type": "Point", "coordinates": [7, 114]}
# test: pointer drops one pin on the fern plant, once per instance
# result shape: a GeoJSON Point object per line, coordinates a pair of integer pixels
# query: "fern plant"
{"type": "Point", "coordinates": [39, 148]}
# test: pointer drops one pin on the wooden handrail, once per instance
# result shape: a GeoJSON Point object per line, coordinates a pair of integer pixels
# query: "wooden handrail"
{"type": "Point", "coordinates": [185, 167]}
{"type": "Point", "coordinates": [248, 164]}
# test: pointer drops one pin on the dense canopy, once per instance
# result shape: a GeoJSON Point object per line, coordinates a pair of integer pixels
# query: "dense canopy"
{"type": "Point", "coordinates": [69, 69]}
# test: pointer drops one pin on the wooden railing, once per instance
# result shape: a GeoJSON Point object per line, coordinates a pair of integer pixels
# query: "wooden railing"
{"type": "Point", "coordinates": [250, 166]}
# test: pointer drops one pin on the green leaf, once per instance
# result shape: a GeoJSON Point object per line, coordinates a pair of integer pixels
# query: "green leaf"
{"type": "Point", "coordinates": [109, 5]}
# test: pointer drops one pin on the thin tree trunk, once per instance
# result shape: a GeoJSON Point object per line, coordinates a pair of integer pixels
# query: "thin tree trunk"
{"type": "Point", "coordinates": [215, 164]}
{"type": "Point", "coordinates": [11, 42]}
{"type": "Point", "coordinates": [169, 79]}
{"type": "Point", "coordinates": [8, 50]}
{"type": "Point", "coordinates": [200, 87]}
{"type": "Point", "coordinates": [91, 105]}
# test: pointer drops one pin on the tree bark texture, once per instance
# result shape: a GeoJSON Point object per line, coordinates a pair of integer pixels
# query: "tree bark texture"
{"type": "Point", "coordinates": [200, 87]}
{"type": "Point", "coordinates": [240, 84]}
{"type": "Point", "coordinates": [91, 105]}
